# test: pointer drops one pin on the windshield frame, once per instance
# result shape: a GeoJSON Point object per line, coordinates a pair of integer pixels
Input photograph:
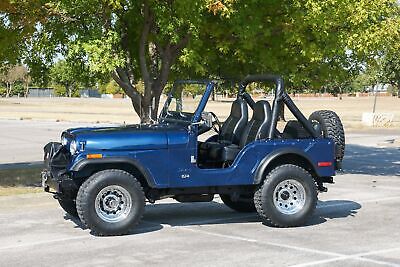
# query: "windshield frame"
{"type": "Point", "coordinates": [210, 85]}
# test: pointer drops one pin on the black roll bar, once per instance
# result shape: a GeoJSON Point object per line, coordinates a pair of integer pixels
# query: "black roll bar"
{"type": "Point", "coordinates": [280, 96]}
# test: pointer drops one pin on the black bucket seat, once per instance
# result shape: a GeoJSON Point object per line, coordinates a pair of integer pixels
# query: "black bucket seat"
{"type": "Point", "coordinates": [257, 128]}
{"type": "Point", "coordinates": [236, 122]}
{"type": "Point", "coordinates": [232, 128]}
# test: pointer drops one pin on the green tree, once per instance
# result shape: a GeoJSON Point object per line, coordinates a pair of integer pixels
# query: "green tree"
{"type": "Point", "coordinates": [70, 75]}
{"type": "Point", "coordinates": [110, 88]}
{"type": "Point", "coordinates": [132, 40]}
{"type": "Point", "coordinates": [311, 43]}
{"type": "Point", "coordinates": [12, 74]}
{"type": "Point", "coordinates": [390, 69]}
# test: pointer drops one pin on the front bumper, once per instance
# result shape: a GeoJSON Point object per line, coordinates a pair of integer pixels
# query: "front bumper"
{"type": "Point", "coordinates": [55, 176]}
{"type": "Point", "coordinates": [48, 183]}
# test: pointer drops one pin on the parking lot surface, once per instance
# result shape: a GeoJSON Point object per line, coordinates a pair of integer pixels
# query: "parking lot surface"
{"type": "Point", "coordinates": [356, 224]}
{"type": "Point", "coordinates": [22, 141]}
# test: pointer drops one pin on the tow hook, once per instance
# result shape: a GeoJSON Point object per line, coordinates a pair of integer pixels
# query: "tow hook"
{"type": "Point", "coordinates": [44, 175]}
{"type": "Point", "coordinates": [321, 187]}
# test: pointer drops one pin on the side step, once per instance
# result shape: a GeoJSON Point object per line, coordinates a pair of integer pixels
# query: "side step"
{"type": "Point", "coordinates": [194, 198]}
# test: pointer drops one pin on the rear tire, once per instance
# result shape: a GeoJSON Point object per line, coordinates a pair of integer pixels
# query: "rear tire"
{"type": "Point", "coordinates": [240, 206]}
{"type": "Point", "coordinates": [331, 127]}
{"type": "Point", "coordinates": [287, 197]}
{"type": "Point", "coordinates": [69, 206]}
{"type": "Point", "coordinates": [110, 202]}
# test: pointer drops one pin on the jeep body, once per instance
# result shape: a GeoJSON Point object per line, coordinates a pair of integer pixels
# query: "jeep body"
{"type": "Point", "coordinates": [164, 157]}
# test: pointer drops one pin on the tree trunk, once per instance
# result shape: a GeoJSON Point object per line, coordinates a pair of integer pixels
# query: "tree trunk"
{"type": "Point", "coordinates": [9, 90]}
{"type": "Point", "coordinates": [213, 94]}
{"type": "Point", "coordinates": [154, 111]}
{"type": "Point", "coordinates": [7, 93]}
{"type": "Point", "coordinates": [148, 110]}
{"type": "Point", "coordinates": [145, 111]}
{"type": "Point", "coordinates": [26, 91]}
{"type": "Point", "coordinates": [155, 63]}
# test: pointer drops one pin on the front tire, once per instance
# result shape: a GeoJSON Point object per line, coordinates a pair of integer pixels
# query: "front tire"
{"type": "Point", "coordinates": [69, 206]}
{"type": "Point", "coordinates": [239, 205]}
{"type": "Point", "coordinates": [287, 197]}
{"type": "Point", "coordinates": [110, 202]}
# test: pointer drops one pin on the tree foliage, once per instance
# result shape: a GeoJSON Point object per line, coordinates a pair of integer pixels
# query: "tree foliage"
{"type": "Point", "coordinates": [385, 69]}
{"type": "Point", "coordinates": [10, 75]}
{"type": "Point", "coordinates": [72, 75]}
{"type": "Point", "coordinates": [390, 69]}
{"type": "Point", "coordinates": [311, 43]}
{"type": "Point", "coordinates": [110, 88]}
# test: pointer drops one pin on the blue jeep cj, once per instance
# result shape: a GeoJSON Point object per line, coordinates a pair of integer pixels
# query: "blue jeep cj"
{"type": "Point", "coordinates": [105, 175]}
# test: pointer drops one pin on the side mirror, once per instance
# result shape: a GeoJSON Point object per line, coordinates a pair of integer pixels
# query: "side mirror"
{"type": "Point", "coordinates": [207, 118]}
{"type": "Point", "coordinates": [190, 126]}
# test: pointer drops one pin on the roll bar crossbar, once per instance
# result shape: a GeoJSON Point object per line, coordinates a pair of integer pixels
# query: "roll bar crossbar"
{"type": "Point", "coordinates": [280, 97]}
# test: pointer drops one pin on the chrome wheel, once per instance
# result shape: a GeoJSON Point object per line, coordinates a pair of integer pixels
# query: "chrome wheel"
{"type": "Point", "coordinates": [113, 203]}
{"type": "Point", "coordinates": [289, 196]}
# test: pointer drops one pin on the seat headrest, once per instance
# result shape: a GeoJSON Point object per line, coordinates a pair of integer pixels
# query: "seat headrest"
{"type": "Point", "coordinates": [239, 108]}
{"type": "Point", "coordinates": [262, 110]}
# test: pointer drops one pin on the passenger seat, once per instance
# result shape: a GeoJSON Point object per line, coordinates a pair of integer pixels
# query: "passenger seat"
{"type": "Point", "coordinates": [257, 128]}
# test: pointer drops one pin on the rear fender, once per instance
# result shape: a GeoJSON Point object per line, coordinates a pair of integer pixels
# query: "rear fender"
{"type": "Point", "coordinates": [269, 162]}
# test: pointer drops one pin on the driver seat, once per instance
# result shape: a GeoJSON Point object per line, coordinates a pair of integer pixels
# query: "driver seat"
{"type": "Point", "coordinates": [232, 128]}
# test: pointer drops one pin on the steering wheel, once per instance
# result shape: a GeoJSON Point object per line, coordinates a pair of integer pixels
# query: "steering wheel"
{"type": "Point", "coordinates": [216, 124]}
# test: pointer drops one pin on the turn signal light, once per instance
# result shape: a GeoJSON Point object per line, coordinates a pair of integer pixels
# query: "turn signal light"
{"type": "Point", "coordinates": [94, 156]}
{"type": "Point", "coordinates": [324, 164]}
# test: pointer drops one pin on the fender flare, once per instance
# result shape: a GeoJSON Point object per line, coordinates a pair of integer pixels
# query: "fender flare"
{"type": "Point", "coordinates": [85, 164]}
{"type": "Point", "coordinates": [258, 176]}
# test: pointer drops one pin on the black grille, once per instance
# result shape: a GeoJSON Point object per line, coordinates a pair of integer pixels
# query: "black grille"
{"type": "Point", "coordinates": [56, 159]}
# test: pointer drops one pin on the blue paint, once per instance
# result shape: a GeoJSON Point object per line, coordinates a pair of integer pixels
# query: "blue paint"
{"type": "Point", "coordinates": [168, 151]}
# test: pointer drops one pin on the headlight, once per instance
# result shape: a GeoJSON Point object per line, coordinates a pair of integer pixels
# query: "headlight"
{"type": "Point", "coordinates": [73, 147]}
{"type": "Point", "coordinates": [64, 140]}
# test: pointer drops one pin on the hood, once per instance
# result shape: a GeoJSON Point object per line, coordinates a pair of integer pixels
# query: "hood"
{"type": "Point", "coordinates": [130, 137]}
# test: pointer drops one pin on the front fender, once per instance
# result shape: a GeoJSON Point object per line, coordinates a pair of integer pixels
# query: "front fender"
{"type": "Point", "coordinates": [86, 167]}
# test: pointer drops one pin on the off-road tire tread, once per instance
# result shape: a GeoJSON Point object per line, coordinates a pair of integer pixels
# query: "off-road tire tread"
{"type": "Point", "coordinates": [334, 129]}
{"type": "Point", "coordinates": [83, 191]}
{"type": "Point", "coordinates": [238, 206]}
{"type": "Point", "coordinates": [69, 206]}
{"type": "Point", "coordinates": [258, 196]}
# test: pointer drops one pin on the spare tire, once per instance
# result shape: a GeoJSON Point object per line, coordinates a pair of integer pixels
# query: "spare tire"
{"type": "Point", "coordinates": [331, 127]}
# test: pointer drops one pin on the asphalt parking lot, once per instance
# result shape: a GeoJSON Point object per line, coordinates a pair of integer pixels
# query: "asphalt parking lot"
{"type": "Point", "coordinates": [23, 140]}
{"type": "Point", "coordinates": [356, 224]}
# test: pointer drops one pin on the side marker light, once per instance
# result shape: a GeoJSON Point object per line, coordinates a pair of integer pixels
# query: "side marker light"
{"type": "Point", "coordinates": [94, 156]}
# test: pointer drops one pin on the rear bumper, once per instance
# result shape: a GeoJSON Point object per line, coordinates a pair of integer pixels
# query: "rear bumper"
{"type": "Point", "coordinates": [338, 165]}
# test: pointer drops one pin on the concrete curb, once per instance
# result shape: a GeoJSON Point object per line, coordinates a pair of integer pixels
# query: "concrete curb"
{"type": "Point", "coordinates": [21, 165]}
{"type": "Point", "coordinates": [21, 174]}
